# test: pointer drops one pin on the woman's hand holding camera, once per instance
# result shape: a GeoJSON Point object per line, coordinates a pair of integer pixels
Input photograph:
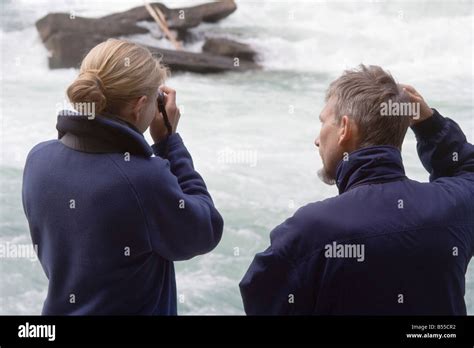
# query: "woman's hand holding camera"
{"type": "Point", "coordinates": [158, 129]}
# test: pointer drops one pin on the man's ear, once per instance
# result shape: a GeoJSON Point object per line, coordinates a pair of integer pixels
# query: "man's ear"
{"type": "Point", "coordinates": [348, 134]}
{"type": "Point", "coordinates": [346, 131]}
{"type": "Point", "coordinates": [139, 107]}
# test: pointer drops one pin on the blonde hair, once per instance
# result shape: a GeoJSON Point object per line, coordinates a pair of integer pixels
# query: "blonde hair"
{"type": "Point", "coordinates": [115, 72]}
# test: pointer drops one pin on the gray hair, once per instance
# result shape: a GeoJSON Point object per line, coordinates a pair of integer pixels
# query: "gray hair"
{"type": "Point", "coordinates": [360, 94]}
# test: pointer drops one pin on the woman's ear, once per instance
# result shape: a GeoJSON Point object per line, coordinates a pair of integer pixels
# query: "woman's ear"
{"type": "Point", "coordinates": [139, 107]}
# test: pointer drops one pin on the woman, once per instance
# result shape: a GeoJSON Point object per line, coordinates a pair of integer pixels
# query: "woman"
{"type": "Point", "coordinates": [108, 217]}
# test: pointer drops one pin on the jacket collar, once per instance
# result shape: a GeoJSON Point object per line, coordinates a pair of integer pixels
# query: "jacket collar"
{"type": "Point", "coordinates": [375, 164]}
{"type": "Point", "coordinates": [103, 131]}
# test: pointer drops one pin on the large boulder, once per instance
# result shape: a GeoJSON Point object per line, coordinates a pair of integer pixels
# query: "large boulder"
{"type": "Point", "coordinates": [69, 48]}
{"type": "Point", "coordinates": [180, 18]}
{"type": "Point", "coordinates": [59, 23]}
{"type": "Point", "coordinates": [229, 48]}
{"type": "Point", "coordinates": [124, 23]}
{"type": "Point", "coordinates": [201, 62]}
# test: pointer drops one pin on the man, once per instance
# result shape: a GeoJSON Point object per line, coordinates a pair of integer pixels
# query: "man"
{"type": "Point", "coordinates": [386, 244]}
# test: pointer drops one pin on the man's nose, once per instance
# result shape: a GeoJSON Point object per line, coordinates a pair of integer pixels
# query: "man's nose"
{"type": "Point", "coordinates": [316, 142]}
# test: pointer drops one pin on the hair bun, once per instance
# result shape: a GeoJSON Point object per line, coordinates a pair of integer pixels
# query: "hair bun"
{"type": "Point", "coordinates": [88, 88]}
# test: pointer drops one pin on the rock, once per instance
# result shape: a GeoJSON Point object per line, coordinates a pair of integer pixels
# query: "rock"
{"type": "Point", "coordinates": [201, 62]}
{"type": "Point", "coordinates": [229, 48]}
{"type": "Point", "coordinates": [68, 49]}
{"type": "Point", "coordinates": [54, 23]}
{"type": "Point", "coordinates": [181, 18]}
{"type": "Point", "coordinates": [124, 23]}
{"type": "Point", "coordinates": [69, 38]}
{"type": "Point", "coordinates": [212, 12]}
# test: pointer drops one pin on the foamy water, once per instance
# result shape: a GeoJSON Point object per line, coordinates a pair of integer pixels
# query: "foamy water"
{"type": "Point", "coordinates": [266, 120]}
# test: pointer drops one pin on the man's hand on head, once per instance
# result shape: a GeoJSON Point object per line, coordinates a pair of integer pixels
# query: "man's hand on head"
{"type": "Point", "coordinates": [425, 111]}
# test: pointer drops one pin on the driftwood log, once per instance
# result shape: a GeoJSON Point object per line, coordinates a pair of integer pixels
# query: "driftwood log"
{"type": "Point", "coordinates": [68, 38]}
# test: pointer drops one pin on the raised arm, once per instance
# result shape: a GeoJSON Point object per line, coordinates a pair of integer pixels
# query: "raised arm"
{"type": "Point", "coordinates": [182, 219]}
{"type": "Point", "coordinates": [441, 144]}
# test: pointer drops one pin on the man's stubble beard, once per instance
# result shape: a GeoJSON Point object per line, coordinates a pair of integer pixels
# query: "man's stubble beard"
{"type": "Point", "coordinates": [324, 176]}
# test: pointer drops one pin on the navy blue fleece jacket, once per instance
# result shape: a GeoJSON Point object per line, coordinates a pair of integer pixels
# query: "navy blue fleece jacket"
{"type": "Point", "coordinates": [109, 225]}
{"type": "Point", "coordinates": [386, 245]}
